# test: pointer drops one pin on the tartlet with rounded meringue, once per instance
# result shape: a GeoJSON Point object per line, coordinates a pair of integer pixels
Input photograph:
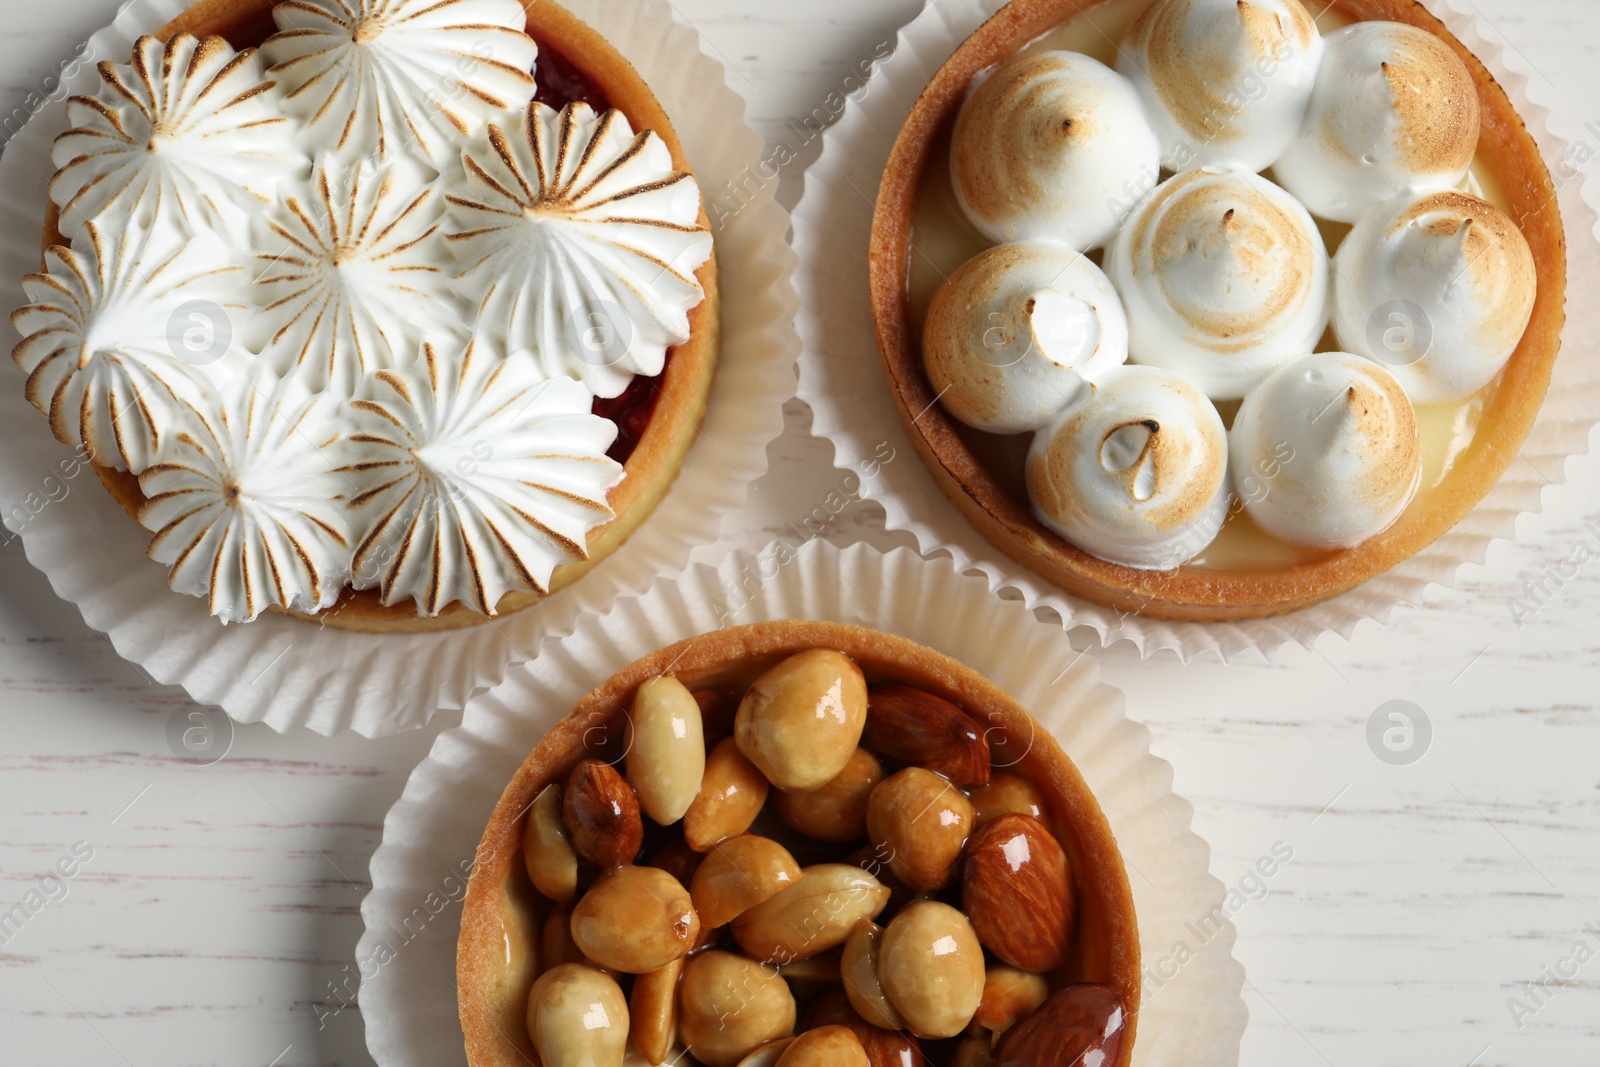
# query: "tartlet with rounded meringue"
{"type": "Point", "coordinates": [918, 242]}
{"type": "Point", "coordinates": [1224, 276]}
{"type": "Point", "coordinates": [1224, 82]}
{"type": "Point", "coordinates": [348, 276]}
{"type": "Point", "coordinates": [1395, 112]}
{"type": "Point", "coordinates": [1439, 289]}
{"type": "Point", "coordinates": [1332, 440]}
{"type": "Point", "coordinates": [1014, 334]}
{"type": "Point", "coordinates": [1052, 146]}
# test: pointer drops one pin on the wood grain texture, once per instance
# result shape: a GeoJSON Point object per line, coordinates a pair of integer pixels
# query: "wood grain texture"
{"type": "Point", "coordinates": [216, 920]}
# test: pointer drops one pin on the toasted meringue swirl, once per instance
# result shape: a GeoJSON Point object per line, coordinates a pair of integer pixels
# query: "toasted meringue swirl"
{"type": "Point", "coordinates": [1224, 82]}
{"type": "Point", "coordinates": [1136, 472]}
{"type": "Point", "coordinates": [1224, 275]}
{"type": "Point", "coordinates": [1052, 146]}
{"type": "Point", "coordinates": [1016, 331]}
{"type": "Point", "coordinates": [386, 78]}
{"type": "Point", "coordinates": [579, 242]}
{"type": "Point", "coordinates": [354, 277]}
{"type": "Point", "coordinates": [190, 133]}
{"type": "Point", "coordinates": [247, 501]}
{"type": "Point", "coordinates": [476, 478]}
{"type": "Point", "coordinates": [123, 337]}
{"type": "Point", "coordinates": [1439, 289]}
{"type": "Point", "coordinates": [1326, 451]}
{"type": "Point", "coordinates": [1394, 112]}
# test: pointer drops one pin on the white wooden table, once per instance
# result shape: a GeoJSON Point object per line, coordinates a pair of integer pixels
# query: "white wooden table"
{"type": "Point", "coordinates": [215, 915]}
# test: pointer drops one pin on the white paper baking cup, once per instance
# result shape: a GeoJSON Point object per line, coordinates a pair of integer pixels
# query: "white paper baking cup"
{"type": "Point", "coordinates": [842, 379]}
{"type": "Point", "coordinates": [288, 672]}
{"type": "Point", "coordinates": [1193, 1013]}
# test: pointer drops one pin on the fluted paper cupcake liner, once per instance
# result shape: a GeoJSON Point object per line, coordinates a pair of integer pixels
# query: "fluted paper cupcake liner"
{"type": "Point", "coordinates": [844, 383]}
{"type": "Point", "coordinates": [1193, 1012]}
{"type": "Point", "coordinates": [288, 672]}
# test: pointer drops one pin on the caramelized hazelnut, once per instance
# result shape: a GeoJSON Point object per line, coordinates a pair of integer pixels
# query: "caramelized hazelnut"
{"type": "Point", "coordinates": [931, 967]}
{"type": "Point", "coordinates": [837, 812]}
{"type": "Point", "coordinates": [737, 875]}
{"type": "Point", "coordinates": [577, 1017]}
{"type": "Point", "coordinates": [922, 821]}
{"type": "Point", "coordinates": [800, 722]}
{"type": "Point", "coordinates": [732, 793]}
{"type": "Point", "coordinates": [635, 920]}
{"type": "Point", "coordinates": [729, 1006]}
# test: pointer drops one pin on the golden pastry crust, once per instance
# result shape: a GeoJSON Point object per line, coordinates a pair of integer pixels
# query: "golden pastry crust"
{"type": "Point", "coordinates": [496, 955]}
{"type": "Point", "coordinates": [1004, 517]}
{"type": "Point", "coordinates": [685, 385]}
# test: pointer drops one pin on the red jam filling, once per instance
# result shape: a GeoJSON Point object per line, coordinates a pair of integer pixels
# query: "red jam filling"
{"type": "Point", "coordinates": [561, 83]}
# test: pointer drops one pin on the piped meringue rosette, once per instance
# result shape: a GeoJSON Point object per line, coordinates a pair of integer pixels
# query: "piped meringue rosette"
{"type": "Point", "coordinates": [394, 388]}
{"type": "Point", "coordinates": [1219, 280]}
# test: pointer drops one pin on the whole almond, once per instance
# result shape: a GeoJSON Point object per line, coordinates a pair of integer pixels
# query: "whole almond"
{"type": "Point", "coordinates": [884, 1048]}
{"type": "Point", "coordinates": [602, 815]}
{"type": "Point", "coordinates": [732, 793]}
{"type": "Point", "coordinates": [910, 725]}
{"type": "Point", "coordinates": [1017, 890]}
{"type": "Point", "coordinates": [837, 812]}
{"type": "Point", "coordinates": [826, 1046]}
{"type": "Point", "coordinates": [653, 1012]}
{"type": "Point", "coordinates": [1072, 1026]}
{"type": "Point", "coordinates": [635, 920]}
{"type": "Point", "coordinates": [920, 821]}
{"type": "Point", "coordinates": [812, 916]}
{"type": "Point", "coordinates": [738, 874]}
{"type": "Point", "coordinates": [546, 849]}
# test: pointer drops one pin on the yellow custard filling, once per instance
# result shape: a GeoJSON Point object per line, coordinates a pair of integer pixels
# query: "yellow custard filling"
{"type": "Point", "coordinates": [942, 240]}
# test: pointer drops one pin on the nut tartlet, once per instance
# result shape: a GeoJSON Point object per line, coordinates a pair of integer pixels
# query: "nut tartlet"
{"type": "Point", "coordinates": [796, 926]}
{"type": "Point", "coordinates": [656, 417]}
{"type": "Point", "coordinates": [1247, 572]}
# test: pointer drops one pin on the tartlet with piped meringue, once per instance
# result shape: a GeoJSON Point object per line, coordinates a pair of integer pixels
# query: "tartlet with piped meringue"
{"type": "Point", "coordinates": [353, 148]}
{"type": "Point", "coordinates": [1332, 128]}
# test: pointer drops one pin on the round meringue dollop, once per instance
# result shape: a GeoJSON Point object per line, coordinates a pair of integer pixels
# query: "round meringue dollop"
{"type": "Point", "coordinates": [376, 79]}
{"type": "Point", "coordinates": [1394, 113]}
{"type": "Point", "coordinates": [1224, 82]}
{"type": "Point", "coordinates": [578, 241]}
{"type": "Point", "coordinates": [1224, 277]}
{"type": "Point", "coordinates": [190, 133]}
{"type": "Point", "coordinates": [1014, 333]}
{"type": "Point", "coordinates": [1136, 473]}
{"type": "Point", "coordinates": [123, 337]}
{"type": "Point", "coordinates": [354, 276]}
{"type": "Point", "coordinates": [1437, 288]}
{"type": "Point", "coordinates": [1052, 146]}
{"type": "Point", "coordinates": [247, 500]}
{"type": "Point", "coordinates": [1326, 451]}
{"type": "Point", "coordinates": [476, 477]}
